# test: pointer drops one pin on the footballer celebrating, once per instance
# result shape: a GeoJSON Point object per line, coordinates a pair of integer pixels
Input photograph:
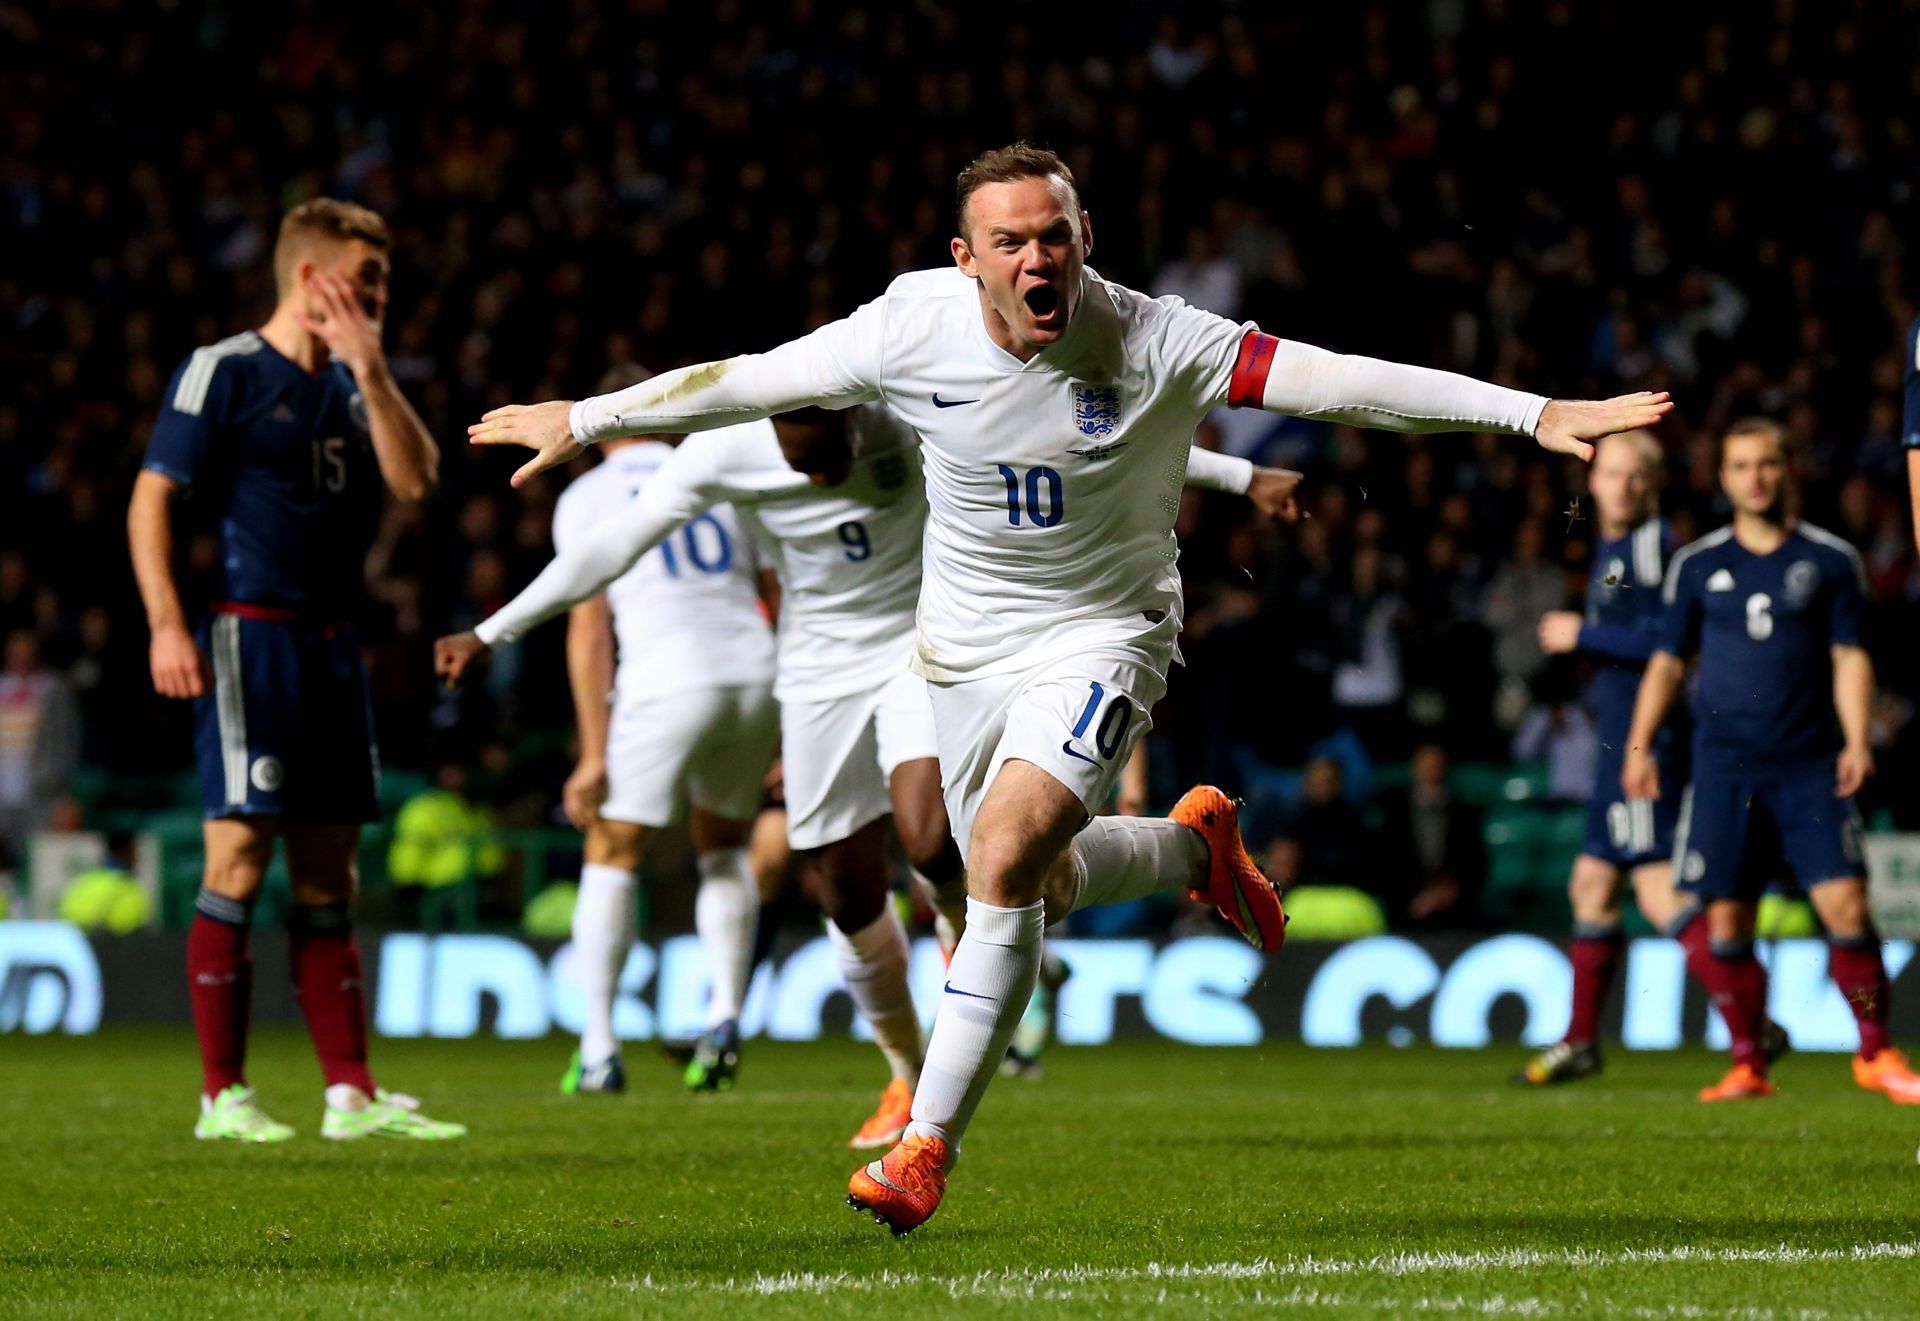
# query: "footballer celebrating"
{"type": "Point", "coordinates": [1055, 410]}
{"type": "Point", "coordinates": [857, 729]}
{"type": "Point", "coordinates": [289, 435]}
{"type": "Point", "coordinates": [1771, 606]}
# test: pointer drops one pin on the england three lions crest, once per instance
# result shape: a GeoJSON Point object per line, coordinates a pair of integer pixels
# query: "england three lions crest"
{"type": "Point", "coordinates": [1096, 410]}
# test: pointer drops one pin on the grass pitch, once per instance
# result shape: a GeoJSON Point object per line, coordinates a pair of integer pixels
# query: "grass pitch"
{"type": "Point", "coordinates": [1134, 1178]}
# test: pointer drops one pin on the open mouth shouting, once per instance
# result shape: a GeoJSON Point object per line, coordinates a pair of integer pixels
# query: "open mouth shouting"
{"type": "Point", "coordinates": [1046, 307]}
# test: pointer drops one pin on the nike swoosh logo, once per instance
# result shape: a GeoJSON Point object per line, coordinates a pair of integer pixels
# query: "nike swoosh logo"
{"type": "Point", "coordinates": [969, 994]}
{"type": "Point", "coordinates": [938, 402]}
{"type": "Point", "coordinates": [1071, 751]}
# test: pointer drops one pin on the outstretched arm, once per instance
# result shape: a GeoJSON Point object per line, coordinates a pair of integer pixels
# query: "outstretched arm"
{"type": "Point", "coordinates": [1285, 376]}
{"type": "Point", "coordinates": [835, 366]}
{"type": "Point", "coordinates": [579, 573]}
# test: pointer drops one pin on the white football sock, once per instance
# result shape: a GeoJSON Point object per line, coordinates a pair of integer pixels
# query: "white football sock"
{"type": "Point", "coordinates": [602, 938]}
{"type": "Point", "coordinates": [988, 985]}
{"type": "Point", "coordinates": [1121, 858]}
{"type": "Point", "coordinates": [949, 909]}
{"type": "Point", "coordinates": [723, 913]}
{"type": "Point", "coordinates": [873, 961]}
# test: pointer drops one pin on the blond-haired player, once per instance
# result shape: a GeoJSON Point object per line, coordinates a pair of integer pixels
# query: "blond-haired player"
{"type": "Point", "coordinates": [291, 435]}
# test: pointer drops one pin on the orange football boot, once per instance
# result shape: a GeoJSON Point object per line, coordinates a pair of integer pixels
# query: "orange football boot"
{"type": "Point", "coordinates": [1240, 890]}
{"type": "Point", "coordinates": [903, 1188]}
{"type": "Point", "coordinates": [889, 1119]}
{"type": "Point", "coordinates": [1888, 1074]}
{"type": "Point", "coordinates": [1742, 1083]}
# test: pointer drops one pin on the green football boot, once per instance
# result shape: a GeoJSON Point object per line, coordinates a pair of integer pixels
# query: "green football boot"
{"type": "Point", "coordinates": [387, 1115]}
{"type": "Point", "coordinates": [233, 1117]}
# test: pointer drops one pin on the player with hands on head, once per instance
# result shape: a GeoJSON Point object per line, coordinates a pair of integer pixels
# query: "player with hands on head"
{"type": "Point", "coordinates": [291, 436]}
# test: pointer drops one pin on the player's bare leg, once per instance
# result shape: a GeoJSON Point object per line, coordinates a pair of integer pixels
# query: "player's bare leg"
{"type": "Point", "coordinates": [220, 976]}
{"type": "Point", "coordinates": [920, 818]}
{"type": "Point", "coordinates": [325, 962]}
{"type": "Point", "coordinates": [1738, 985]}
{"type": "Point", "coordinates": [848, 879]}
{"type": "Point", "coordinates": [725, 912]}
{"type": "Point", "coordinates": [602, 938]}
{"type": "Point", "coordinates": [1594, 891]}
{"type": "Point", "coordinates": [1857, 968]}
{"type": "Point", "coordinates": [770, 859]}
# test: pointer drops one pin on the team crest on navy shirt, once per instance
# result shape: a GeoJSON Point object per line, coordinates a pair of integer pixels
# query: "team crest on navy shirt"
{"type": "Point", "coordinates": [1096, 409]}
{"type": "Point", "coordinates": [357, 410]}
{"type": "Point", "coordinates": [1803, 580]}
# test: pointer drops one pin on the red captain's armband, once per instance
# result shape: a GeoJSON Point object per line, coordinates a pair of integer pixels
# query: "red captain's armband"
{"type": "Point", "coordinates": [1248, 384]}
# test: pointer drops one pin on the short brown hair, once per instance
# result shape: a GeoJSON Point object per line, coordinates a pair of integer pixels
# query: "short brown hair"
{"type": "Point", "coordinates": [1020, 160]}
{"type": "Point", "coordinates": [324, 220]}
{"type": "Point", "coordinates": [1764, 427]}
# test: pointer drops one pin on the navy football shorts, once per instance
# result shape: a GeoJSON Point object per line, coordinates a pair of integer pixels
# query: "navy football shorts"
{"type": "Point", "coordinates": [1736, 830]}
{"type": "Point", "coordinates": [1632, 833]}
{"type": "Point", "coordinates": [287, 729]}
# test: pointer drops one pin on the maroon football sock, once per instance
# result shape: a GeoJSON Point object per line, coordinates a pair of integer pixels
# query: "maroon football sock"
{"type": "Point", "coordinates": [1738, 985]}
{"type": "Point", "coordinates": [220, 986]}
{"type": "Point", "coordinates": [1596, 957]}
{"type": "Point", "coordinates": [1693, 938]}
{"type": "Point", "coordinates": [1859, 971]}
{"type": "Point", "coordinates": [326, 977]}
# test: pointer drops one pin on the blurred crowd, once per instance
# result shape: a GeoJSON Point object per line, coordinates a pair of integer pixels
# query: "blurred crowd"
{"type": "Point", "coordinates": [1574, 199]}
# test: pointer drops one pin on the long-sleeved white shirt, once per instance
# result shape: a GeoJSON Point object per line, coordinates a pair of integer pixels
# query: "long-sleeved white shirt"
{"type": "Point", "coordinates": [848, 556]}
{"type": "Point", "coordinates": [1052, 484]}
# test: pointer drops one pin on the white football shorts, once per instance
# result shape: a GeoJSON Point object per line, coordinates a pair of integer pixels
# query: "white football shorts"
{"type": "Point", "coordinates": [707, 746]}
{"type": "Point", "coordinates": [838, 754]}
{"type": "Point", "coordinates": [1075, 717]}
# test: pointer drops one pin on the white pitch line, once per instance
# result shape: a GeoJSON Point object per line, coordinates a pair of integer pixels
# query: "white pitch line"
{"type": "Point", "coordinates": [1060, 1282]}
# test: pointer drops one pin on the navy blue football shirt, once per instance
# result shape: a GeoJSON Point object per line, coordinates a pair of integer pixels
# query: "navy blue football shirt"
{"type": "Point", "coordinates": [1763, 627]}
{"type": "Point", "coordinates": [1621, 627]}
{"type": "Point", "coordinates": [285, 458]}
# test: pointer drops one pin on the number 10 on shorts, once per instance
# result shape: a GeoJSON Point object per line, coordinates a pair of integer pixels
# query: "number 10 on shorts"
{"type": "Point", "coordinates": [1112, 729]}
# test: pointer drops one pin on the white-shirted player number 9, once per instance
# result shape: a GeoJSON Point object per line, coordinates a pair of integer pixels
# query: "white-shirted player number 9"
{"type": "Point", "coordinates": [853, 535]}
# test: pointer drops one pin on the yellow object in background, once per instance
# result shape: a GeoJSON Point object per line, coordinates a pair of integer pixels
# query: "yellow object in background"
{"type": "Point", "coordinates": [1784, 918]}
{"type": "Point", "coordinates": [106, 899]}
{"type": "Point", "coordinates": [1332, 912]}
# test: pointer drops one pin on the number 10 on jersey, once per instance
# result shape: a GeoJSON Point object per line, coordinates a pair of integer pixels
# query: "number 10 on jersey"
{"type": "Point", "coordinates": [1045, 504]}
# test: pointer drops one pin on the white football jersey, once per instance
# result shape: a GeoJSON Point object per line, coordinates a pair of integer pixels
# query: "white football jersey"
{"type": "Point", "coordinates": [848, 556]}
{"type": "Point", "coordinates": [1052, 484]}
{"type": "Point", "coordinates": [688, 614]}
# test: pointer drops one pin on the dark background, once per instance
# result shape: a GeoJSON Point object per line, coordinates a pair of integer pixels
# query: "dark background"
{"type": "Point", "coordinates": [1577, 200]}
